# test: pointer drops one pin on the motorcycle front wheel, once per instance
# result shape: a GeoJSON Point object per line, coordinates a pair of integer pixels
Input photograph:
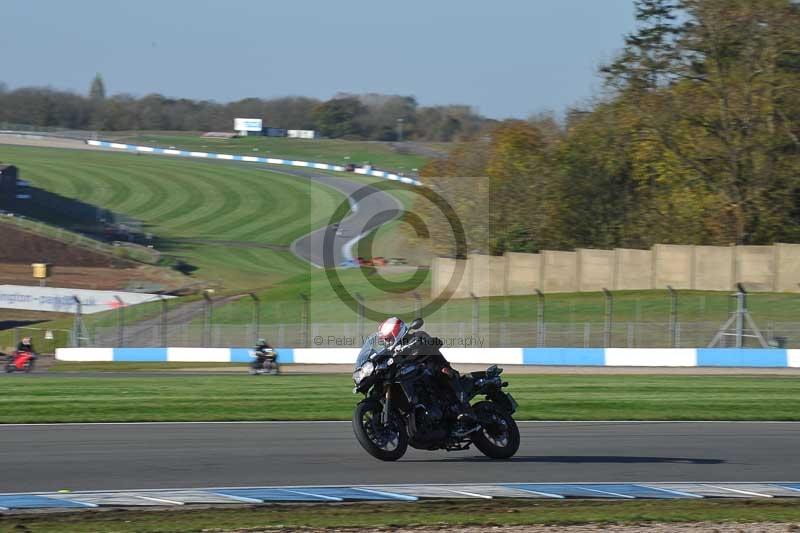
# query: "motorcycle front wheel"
{"type": "Point", "coordinates": [498, 437]}
{"type": "Point", "coordinates": [385, 442]}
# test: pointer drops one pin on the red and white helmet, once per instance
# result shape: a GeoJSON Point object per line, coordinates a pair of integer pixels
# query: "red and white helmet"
{"type": "Point", "coordinates": [392, 329]}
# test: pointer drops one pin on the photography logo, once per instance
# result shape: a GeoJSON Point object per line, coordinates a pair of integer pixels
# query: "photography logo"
{"type": "Point", "coordinates": [336, 248]}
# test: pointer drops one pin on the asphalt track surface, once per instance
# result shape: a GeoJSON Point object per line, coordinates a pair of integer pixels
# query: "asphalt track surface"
{"type": "Point", "coordinates": [370, 207]}
{"type": "Point", "coordinates": [176, 455]}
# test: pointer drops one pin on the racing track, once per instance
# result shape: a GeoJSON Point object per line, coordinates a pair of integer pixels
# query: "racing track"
{"type": "Point", "coordinates": [175, 455]}
{"type": "Point", "coordinates": [373, 209]}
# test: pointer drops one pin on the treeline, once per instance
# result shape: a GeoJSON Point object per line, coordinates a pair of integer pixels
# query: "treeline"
{"type": "Point", "coordinates": [366, 117]}
{"type": "Point", "coordinates": [695, 141]}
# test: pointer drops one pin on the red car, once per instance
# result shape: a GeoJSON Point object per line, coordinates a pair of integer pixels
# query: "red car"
{"type": "Point", "coordinates": [20, 362]}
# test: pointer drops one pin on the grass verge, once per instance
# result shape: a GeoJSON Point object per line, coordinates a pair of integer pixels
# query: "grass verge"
{"type": "Point", "coordinates": [34, 399]}
{"type": "Point", "coordinates": [421, 514]}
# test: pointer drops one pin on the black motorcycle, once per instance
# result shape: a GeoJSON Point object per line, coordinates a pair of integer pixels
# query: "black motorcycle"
{"type": "Point", "coordinates": [406, 403]}
{"type": "Point", "coordinates": [265, 362]}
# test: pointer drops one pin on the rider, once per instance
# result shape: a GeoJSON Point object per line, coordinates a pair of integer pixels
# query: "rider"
{"type": "Point", "coordinates": [393, 330]}
{"type": "Point", "coordinates": [25, 345]}
{"type": "Point", "coordinates": [264, 352]}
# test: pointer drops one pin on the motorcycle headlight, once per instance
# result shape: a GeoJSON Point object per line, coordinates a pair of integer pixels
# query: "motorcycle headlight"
{"type": "Point", "coordinates": [364, 372]}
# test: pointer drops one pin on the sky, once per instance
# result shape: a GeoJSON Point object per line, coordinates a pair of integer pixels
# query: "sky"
{"type": "Point", "coordinates": [506, 58]}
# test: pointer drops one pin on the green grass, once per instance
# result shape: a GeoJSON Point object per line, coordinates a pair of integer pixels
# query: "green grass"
{"type": "Point", "coordinates": [433, 514]}
{"type": "Point", "coordinates": [329, 397]}
{"type": "Point", "coordinates": [179, 199]}
{"type": "Point", "coordinates": [334, 151]}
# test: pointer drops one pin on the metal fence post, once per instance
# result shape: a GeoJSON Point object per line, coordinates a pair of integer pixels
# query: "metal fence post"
{"type": "Point", "coordinates": [475, 313]}
{"type": "Point", "coordinates": [164, 309]}
{"type": "Point", "coordinates": [417, 305]}
{"type": "Point", "coordinates": [256, 317]}
{"type": "Point", "coordinates": [540, 319]}
{"type": "Point", "coordinates": [120, 321]}
{"type": "Point", "coordinates": [673, 316]}
{"type": "Point", "coordinates": [208, 318]}
{"type": "Point", "coordinates": [77, 325]}
{"type": "Point", "coordinates": [609, 323]}
{"type": "Point", "coordinates": [304, 319]}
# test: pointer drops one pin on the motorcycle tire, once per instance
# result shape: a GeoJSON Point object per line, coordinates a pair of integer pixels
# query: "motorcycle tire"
{"type": "Point", "coordinates": [373, 409]}
{"type": "Point", "coordinates": [488, 439]}
{"type": "Point", "coordinates": [29, 367]}
{"type": "Point", "coordinates": [9, 368]}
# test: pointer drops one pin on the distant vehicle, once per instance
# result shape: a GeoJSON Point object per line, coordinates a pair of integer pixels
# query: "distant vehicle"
{"type": "Point", "coordinates": [266, 362]}
{"type": "Point", "coordinates": [20, 361]}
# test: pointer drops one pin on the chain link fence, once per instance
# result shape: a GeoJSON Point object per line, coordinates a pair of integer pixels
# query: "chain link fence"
{"type": "Point", "coordinates": [691, 320]}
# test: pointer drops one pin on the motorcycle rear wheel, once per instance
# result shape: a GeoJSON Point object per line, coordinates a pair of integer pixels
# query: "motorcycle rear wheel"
{"type": "Point", "coordinates": [387, 443]}
{"type": "Point", "coordinates": [500, 438]}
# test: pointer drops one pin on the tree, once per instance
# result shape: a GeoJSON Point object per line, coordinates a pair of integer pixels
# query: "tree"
{"type": "Point", "coordinates": [339, 117]}
{"type": "Point", "coordinates": [97, 90]}
{"type": "Point", "coordinates": [650, 52]}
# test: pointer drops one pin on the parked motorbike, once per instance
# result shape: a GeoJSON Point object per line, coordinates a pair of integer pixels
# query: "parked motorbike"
{"type": "Point", "coordinates": [20, 361]}
{"type": "Point", "coordinates": [265, 362]}
{"type": "Point", "coordinates": [405, 404]}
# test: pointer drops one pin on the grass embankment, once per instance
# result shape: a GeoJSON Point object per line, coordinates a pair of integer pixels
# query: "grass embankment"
{"type": "Point", "coordinates": [546, 397]}
{"type": "Point", "coordinates": [432, 514]}
{"type": "Point", "coordinates": [191, 204]}
{"type": "Point", "coordinates": [334, 151]}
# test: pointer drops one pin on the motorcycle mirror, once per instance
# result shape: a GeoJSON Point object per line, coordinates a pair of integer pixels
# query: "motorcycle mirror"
{"type": "Point", "coordinates": [416, 323]}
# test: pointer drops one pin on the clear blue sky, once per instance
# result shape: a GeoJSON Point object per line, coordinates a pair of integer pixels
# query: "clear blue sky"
{"type": "Point", "coordinates": [505, 58]}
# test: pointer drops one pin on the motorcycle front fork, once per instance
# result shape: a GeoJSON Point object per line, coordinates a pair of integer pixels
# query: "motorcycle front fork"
{"type": "Point", "coordinates": [386, 406]}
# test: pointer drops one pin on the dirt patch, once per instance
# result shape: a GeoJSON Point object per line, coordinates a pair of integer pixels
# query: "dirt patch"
{"type": "Point", "coordinates": [81, 277]}
{"type": "Point", "coordinates": [21, 246]}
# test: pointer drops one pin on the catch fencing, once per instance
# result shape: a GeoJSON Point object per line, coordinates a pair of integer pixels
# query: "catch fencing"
{"type": "Point", "coordinates": [605, 320]}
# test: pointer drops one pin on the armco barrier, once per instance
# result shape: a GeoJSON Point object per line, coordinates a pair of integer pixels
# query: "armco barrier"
{"type": "Point", "coordinates": [249, 159]}
{"type": "Point", "coordinates": [648, 357]}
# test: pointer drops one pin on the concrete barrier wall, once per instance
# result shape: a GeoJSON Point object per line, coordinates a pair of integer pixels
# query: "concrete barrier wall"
{"type": "Point", "coordinates": [707, 268]}
{"type": "Point", "coordinates": [633, 269]}
{"type": "Point", "coordinates": [451, 274]}
{"type": "Point", "coordinates": [787, 271]}
{"type": "Point", "coordinates": [755, 267]}
{"type": "Point", "coordinates": [713, 268]}
{"type": "Point", "coordinates": [653, 357]}
{"type": "Point", "coordinates": [523, 273]}
{"type": "Point", "coordinates": [595, 269]}
{"type": "Point", "coordinates": [559, 271]}
{"type": "Point", "coordinates": [488, 275]}
{"type": "Point", "coordinates": [673, 266]}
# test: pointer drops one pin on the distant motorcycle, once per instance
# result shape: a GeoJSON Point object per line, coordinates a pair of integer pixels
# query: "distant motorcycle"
{"type": "Point", "coordinates": [265, 363]}
{"type": "Point", "coordinates": [20, 361]}
{"type": "Point", "coordinates": [404, 406]}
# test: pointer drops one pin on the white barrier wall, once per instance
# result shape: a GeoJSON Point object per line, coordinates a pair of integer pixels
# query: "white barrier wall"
{"type": "Point", "coordinates": [617, 357]}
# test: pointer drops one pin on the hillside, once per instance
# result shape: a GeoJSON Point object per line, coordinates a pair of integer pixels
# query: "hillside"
{"type": "Point", "coordinates": [230, 223]}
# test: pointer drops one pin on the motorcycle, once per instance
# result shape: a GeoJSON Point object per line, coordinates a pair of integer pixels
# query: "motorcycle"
{"type": "Point", "coordinates": [269, 364]}
{"type": "Point", "coordinates": [20, 361]}
{"type": "Point", "coordinates": [404, 405]}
